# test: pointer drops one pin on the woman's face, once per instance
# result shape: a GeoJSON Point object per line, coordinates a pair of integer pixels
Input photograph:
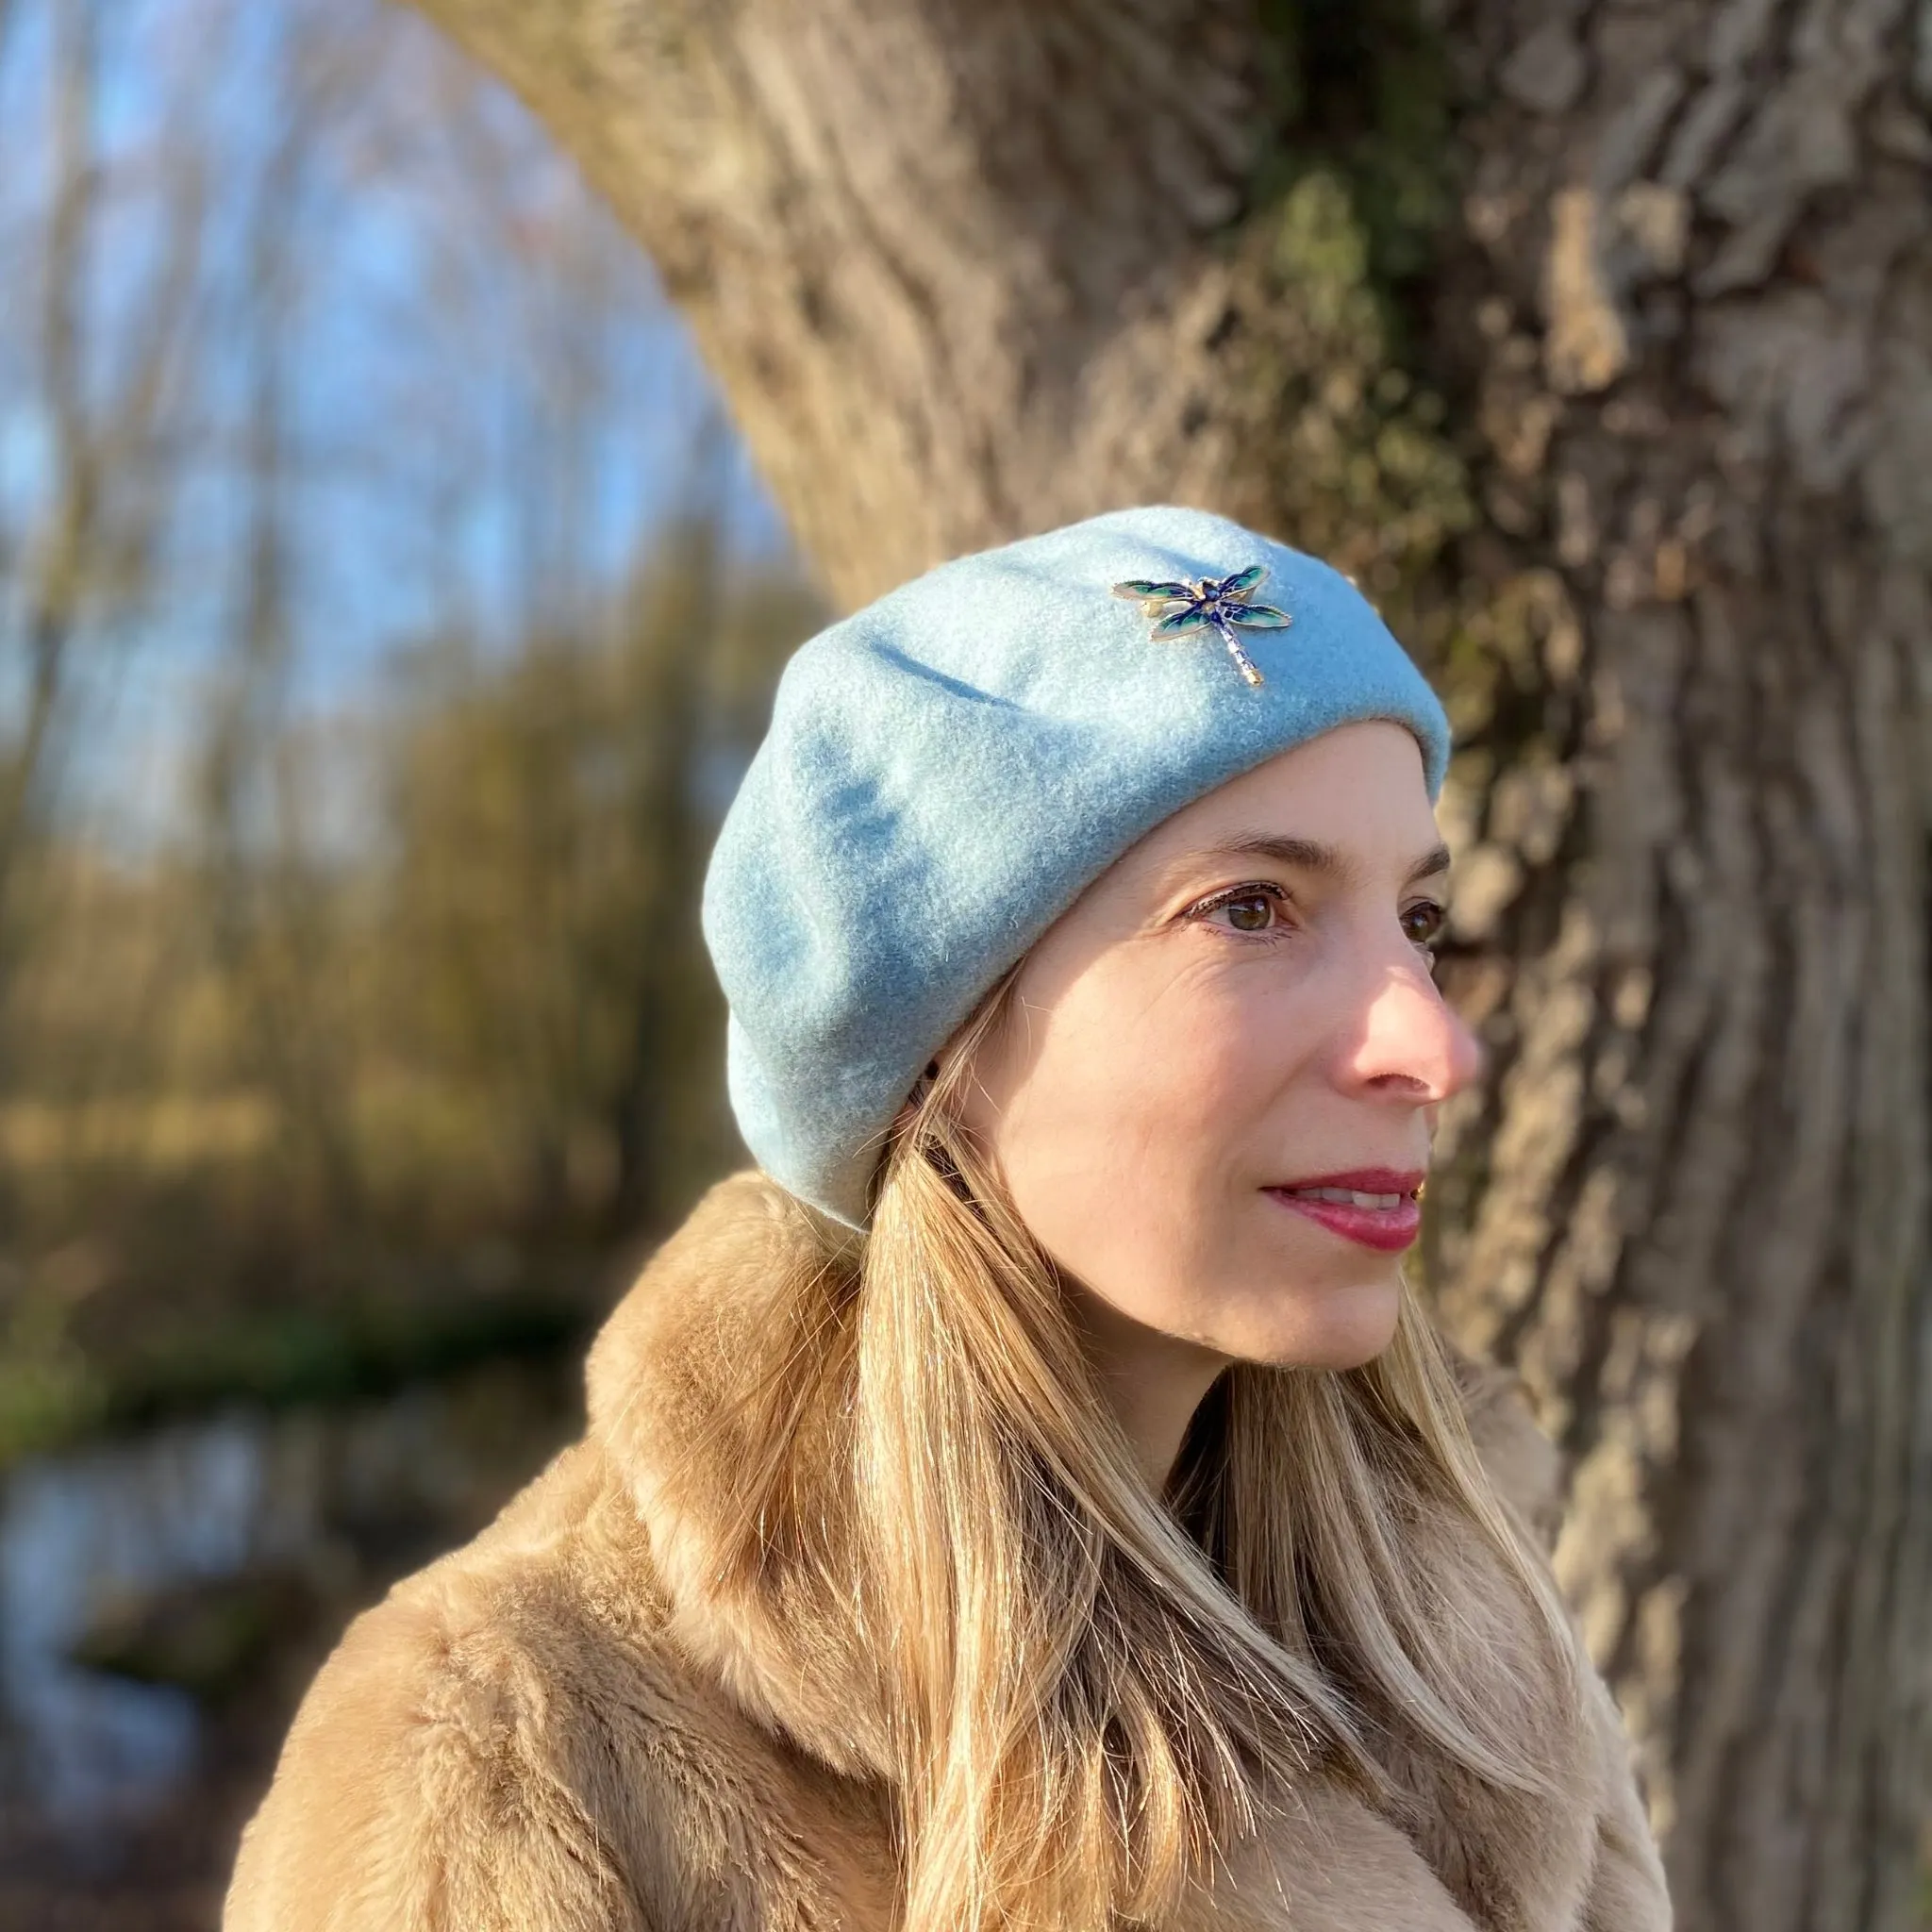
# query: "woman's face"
{"type": "Point", "coordinates": [1239, 1010]}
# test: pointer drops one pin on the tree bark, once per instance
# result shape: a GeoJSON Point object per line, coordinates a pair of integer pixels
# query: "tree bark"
{"type": "Point", "coordinates": [1596, 341]}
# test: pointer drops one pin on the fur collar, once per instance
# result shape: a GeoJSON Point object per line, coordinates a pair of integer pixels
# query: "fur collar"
{"type": "Point", "coordinates": [644, 1693]}
{"type": "Point", "coordinates": [672, 1382]}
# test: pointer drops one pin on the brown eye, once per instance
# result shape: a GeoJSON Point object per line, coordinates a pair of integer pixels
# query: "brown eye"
{"type": "Point", "coordinates": [1251, 913]}
{"type": "Point", "coordinates": [1248, 908]}
{"type": "Point", "coordinates": [1423, 921]}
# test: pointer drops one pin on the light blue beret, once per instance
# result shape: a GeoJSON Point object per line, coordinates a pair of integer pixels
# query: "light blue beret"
{"type": "Point", "coordinates": [949, 768]}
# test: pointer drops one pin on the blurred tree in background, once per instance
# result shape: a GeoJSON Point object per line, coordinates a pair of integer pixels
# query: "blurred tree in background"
{"type": "Point", "coordinates": [544, 984]}
{"type": "Point", "coordinates": [385, 618]}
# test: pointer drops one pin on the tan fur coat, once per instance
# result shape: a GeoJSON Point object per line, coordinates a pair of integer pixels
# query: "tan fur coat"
{"type": "Point", "coordinates": [571, 1725]}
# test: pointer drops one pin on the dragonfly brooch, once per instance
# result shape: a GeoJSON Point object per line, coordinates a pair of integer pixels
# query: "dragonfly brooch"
{"type": "Point", "coordinates": [1208, 604]}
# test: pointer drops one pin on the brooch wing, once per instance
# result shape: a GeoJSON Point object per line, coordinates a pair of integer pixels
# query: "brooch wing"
{"type": "Point", "coordinates": [1150, 591]}
{"type": "Point", "coordinates": [1180, 621]}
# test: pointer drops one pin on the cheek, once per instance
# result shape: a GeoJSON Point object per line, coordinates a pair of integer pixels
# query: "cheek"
{"type": "Point", "coordinates": [1143, 1086]}
{"type": "Point", "coordinates": [1140, 1120]}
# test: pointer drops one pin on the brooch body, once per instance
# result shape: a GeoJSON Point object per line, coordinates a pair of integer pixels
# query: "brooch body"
{"type": "Point", "coordinates": [1217, 604]}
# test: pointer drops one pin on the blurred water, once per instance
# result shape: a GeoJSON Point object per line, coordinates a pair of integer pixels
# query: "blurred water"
{"type": "Point", "coordinates": [82, 1531]}
{"type": "Point", "coordinates": [341, 1500]}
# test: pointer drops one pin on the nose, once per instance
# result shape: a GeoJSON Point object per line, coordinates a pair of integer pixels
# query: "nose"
{"type": "Point", "coordinates": [1412, 1046]}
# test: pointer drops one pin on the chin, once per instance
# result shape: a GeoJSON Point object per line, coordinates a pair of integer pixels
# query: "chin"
{"type": "Point", "coordinates": [1339, 1328]}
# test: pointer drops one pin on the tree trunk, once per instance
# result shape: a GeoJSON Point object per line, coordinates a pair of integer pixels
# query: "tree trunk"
{"type": "Point", "coordinates": [1596, 341]}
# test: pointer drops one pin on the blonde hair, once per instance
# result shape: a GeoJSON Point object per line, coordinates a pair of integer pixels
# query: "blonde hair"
{"type": "Point", "coordinates": [1094, 1689]}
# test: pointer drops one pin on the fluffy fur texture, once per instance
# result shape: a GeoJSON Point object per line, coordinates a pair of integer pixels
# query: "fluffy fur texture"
{"type": "Point", "coordinates": [586, 1721]}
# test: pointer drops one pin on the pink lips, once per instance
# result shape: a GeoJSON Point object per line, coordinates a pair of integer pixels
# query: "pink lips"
{"type": "Point", "coordinates": [1389, 1229]}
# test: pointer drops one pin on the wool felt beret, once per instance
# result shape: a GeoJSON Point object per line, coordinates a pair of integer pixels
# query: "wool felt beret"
{"type": "Point", "coordinates": [949, 768]}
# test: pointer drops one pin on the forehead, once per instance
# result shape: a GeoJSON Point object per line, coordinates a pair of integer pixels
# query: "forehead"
{"type": "Point", "coordinates": [1360, 787]}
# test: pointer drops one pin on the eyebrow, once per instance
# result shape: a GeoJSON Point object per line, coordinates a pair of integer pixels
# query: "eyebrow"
{"type": "Point", "coordinates": [1311, 854]}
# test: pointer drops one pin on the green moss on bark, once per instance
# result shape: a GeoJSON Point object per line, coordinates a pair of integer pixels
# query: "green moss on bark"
{"type": "Point", "coordinates": [1353, 454]}
{"type": "Point", "coordinates": [1364, 87]}
{"type": "Point", "coordinates": [1350, 453]}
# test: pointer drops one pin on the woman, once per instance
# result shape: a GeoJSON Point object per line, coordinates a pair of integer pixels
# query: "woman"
{"type": "Point", "coordinates": [1030, 1498]}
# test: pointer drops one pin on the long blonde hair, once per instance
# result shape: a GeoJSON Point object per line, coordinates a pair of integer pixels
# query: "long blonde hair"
{"type": "Point", "coordinates": [1093, 1688]}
